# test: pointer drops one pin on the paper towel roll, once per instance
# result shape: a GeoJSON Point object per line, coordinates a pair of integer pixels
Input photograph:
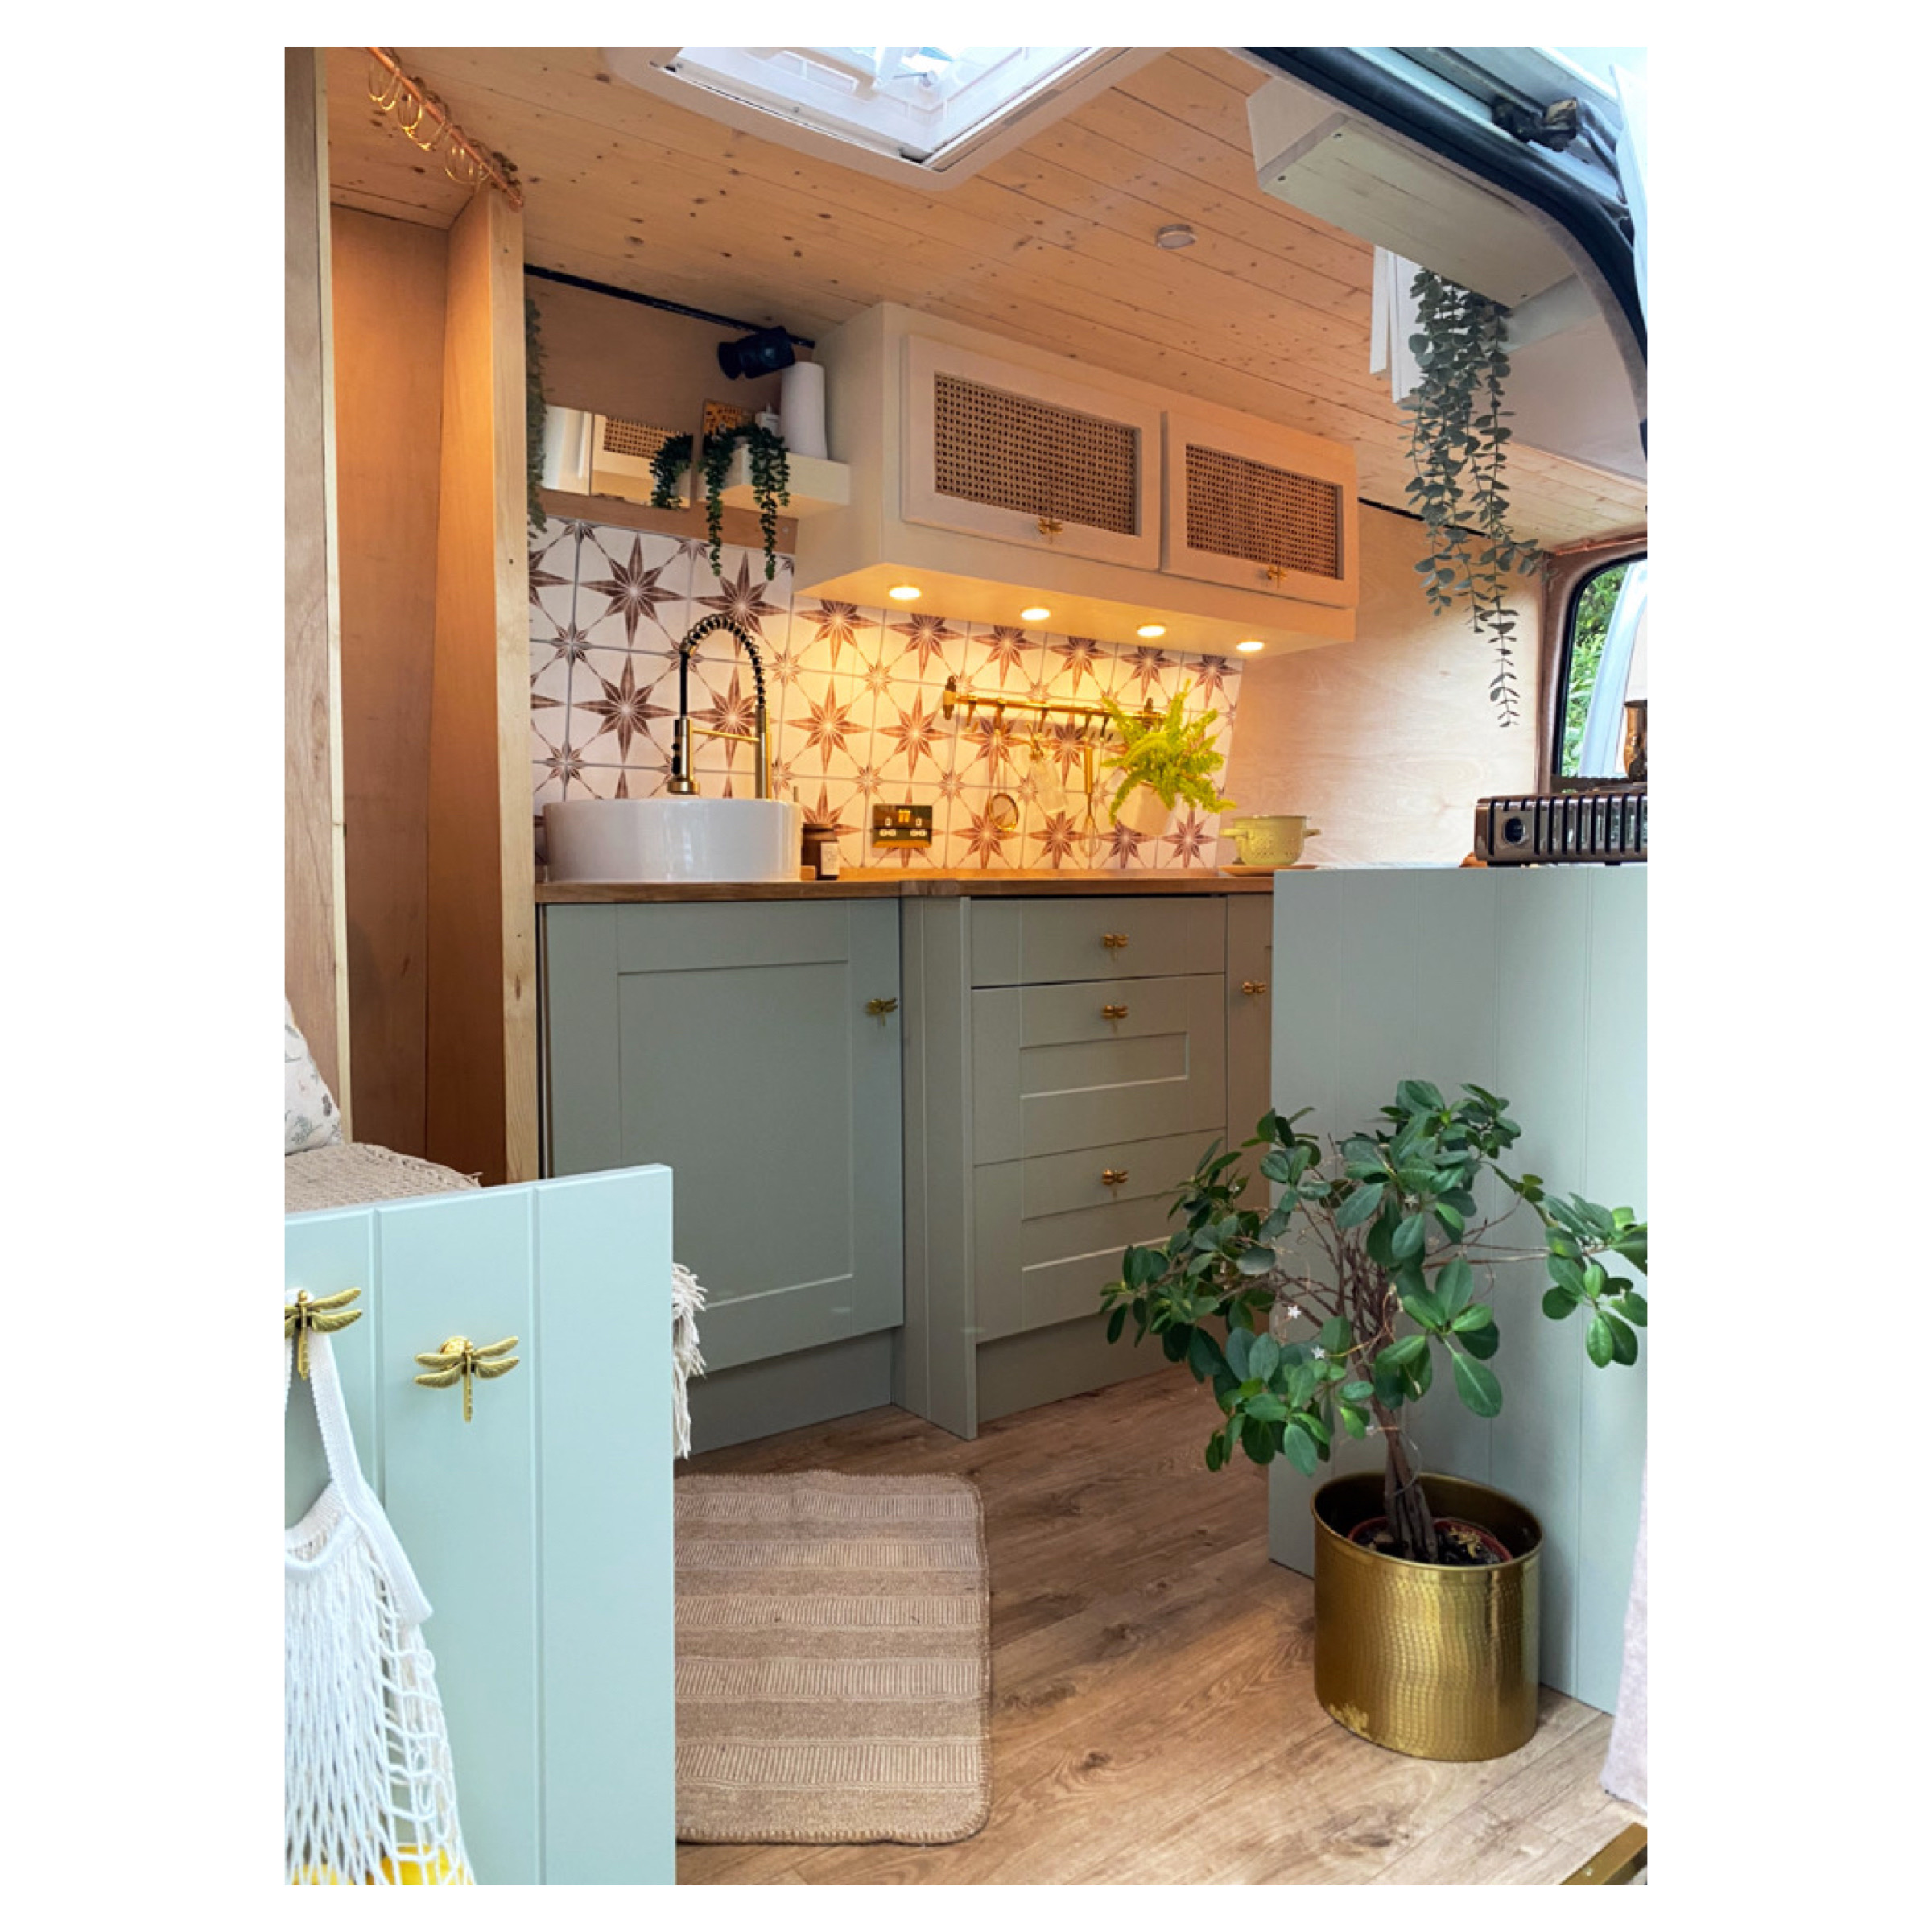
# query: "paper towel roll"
{"type": "Point", "coordinates": [802, 409]}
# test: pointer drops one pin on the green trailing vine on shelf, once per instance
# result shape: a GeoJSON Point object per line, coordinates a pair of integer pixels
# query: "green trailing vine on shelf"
{"type": "Point", "coordinates": [770, 482]}
{"type": "Point", "coordinates": [533, 413]}
{"type": "Point", "coordinates": [1172, 756]}
{"type": "Point", "coordinates": [1457, 445]}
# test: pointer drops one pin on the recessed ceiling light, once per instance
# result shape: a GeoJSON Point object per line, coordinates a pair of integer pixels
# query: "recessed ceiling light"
{"type": "Point", "coordinates": [1035, 613]}
{"type": "Point", "coordinates": [1151, 630]}
{"type": "Point", "coordinates": [904, 592]}
{"type": "Point", "coordinates": [1250, 644]}
{"type": "Point", "coordinates": [1176, 234]}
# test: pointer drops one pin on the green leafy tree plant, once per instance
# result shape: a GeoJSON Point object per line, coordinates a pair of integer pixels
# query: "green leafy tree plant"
{"type": "Point", "coordinates": [1173, 756]}
{"type": "Point", "coordinates": [1396, 1247]}
{"type": "Point", "coordinates": [1458, 446]}
{"type": "Point", "coordinates": [770, 482]}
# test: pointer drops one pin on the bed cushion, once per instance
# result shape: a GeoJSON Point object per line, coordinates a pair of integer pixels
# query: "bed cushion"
{"type": "Point", "coordinates": [309, 1115]}
{"type": "Point", "coordinates": [356, 1172]}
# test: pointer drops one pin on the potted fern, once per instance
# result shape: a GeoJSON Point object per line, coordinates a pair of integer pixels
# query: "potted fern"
{"type": "Point", "coordinates": [1164, 759]}
{"type": "Point", "coordinates": [1329, 1312]}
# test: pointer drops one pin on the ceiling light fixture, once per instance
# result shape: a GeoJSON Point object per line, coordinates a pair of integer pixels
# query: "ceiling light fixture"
{"type": "Point", "coordinates": [1250, 645]}
{"type": "Point", "coordinates": [1151, 630]}
{"type": "Point", "coordinates": [903, 594]}
{"type": "Point", "coordinates": [1176, 234]}
{"type": "Point", "coordinates": [1035, 613]}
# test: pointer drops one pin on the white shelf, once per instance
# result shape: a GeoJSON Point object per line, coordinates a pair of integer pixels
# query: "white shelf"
{"type": "Point", "coordinates": [816, 485]}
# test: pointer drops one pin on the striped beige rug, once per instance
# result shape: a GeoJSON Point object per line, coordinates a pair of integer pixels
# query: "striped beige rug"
{"type": "Point", "coordinates": [834, 1676]}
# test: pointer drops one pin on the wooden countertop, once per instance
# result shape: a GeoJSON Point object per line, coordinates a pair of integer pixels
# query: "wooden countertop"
{"type": "Point", "coordinates": [897, 885]}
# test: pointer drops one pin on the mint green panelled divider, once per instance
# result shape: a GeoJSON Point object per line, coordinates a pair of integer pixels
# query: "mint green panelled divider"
{"type": "Point", "coordinates": [541, 1528]}
{"type": "Point", "coordinates": [1529, 982]}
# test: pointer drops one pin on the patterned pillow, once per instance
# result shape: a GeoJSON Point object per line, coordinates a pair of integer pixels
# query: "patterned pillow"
{"type": "Point", "coordinates": [308, 1106]}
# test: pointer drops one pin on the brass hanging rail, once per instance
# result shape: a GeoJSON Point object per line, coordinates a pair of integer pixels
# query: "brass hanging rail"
{"type": "Point", "coordinates": [478, 164]}
{"type": "Point", "coordinates": [957, 696]}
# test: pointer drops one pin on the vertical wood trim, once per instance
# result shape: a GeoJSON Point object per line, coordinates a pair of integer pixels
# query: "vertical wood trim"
{"type": "Point", "coordinates": [482, 1036]}
{"type": "Point", "coordinates": [314, 943]}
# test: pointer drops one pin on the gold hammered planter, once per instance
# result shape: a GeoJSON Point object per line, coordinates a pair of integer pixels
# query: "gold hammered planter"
{"type": "Point", "coordinates": [1435, 1662]}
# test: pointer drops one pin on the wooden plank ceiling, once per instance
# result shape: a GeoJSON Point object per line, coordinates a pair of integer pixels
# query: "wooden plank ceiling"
{"type": "Point", "coordinates": [1052, 244]}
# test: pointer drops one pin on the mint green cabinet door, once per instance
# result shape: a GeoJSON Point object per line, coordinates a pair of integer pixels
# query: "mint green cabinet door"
{"type": "Point", "coordinates": [733, 1043]}
{"type": "Point", "coordinates": [1250, 990]}
{"type": "Point", "coordinates": [541, 1528]}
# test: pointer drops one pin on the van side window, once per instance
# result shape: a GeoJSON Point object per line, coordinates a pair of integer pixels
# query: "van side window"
{"type": "Point", "coordinates": [1602, 666]}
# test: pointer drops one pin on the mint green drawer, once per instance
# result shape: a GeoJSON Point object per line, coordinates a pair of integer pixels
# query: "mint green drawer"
{"type": "Point", "coordinates": [1052, 1072]}
{"type": "Point", "coordinates": [1035, 942]}
{"type": "Point", "coordinates": [1048, 1233]}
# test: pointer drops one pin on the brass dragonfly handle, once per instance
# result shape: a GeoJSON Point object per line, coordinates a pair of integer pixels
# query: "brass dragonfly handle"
{"type": "Point", "coordinates": [1113, 941]}
{"type": "Point", "coordinates": [1113, 1012]}
{"type": "Point", "coordinates": [1254, 986]}
{"type": "Point", "coordinates": [878, 1009]}
{"type": "Point", "coordinates": [302, 1316]}
{"type": "Point", "coordinates": [1113, 1177]}
{"type": "Point", "coordinates": [459, 1360]}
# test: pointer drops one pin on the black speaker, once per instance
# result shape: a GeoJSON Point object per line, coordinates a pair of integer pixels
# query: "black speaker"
{"type": "Point", "coordinates": [762, 353]}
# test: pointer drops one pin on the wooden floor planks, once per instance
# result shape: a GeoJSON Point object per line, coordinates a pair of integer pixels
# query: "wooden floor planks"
{"type": "Point", "coordinates": [1154, 1720]}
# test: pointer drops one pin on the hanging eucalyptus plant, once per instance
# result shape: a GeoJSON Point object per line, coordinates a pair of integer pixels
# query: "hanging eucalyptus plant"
{"type": "Point", "coordinates": [770, 482]}
{"type": "Point", "coordinates": [1457, 443]}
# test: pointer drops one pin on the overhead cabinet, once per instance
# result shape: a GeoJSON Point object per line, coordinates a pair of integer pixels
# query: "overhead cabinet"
{"type": "Point", "coordinates": [987, 476]}
{"type": "Point", "coordinates": [1263, 510]}
{"type": "Point", "coordinates": [997, 450]}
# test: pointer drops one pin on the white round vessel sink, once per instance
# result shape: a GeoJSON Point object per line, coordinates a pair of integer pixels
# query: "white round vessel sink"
{"type": "Point", "coordinates": [674, 840]}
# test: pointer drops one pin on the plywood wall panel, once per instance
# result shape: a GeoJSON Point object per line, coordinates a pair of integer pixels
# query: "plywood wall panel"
{"type": "Point", "coordinates": [1386, 743]}
{"type": "Point", "coordinates": [389, 283]}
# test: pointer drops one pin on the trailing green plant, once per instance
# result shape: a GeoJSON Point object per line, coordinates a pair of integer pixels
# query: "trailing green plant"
{"type": "Point", "coordinates": [1458, 439]}
{"type": "Point", "coordinates": [533, 413]}
{"type": "Point", "coordinates": [1328, 1310]}
{"type": "Point", "coordinates": [771, 481]}
{"type": "Point", "coordinates": [1172, 756]}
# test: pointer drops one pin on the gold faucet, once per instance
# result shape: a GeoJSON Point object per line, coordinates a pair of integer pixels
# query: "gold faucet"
{"type": "Point", "coordinates": [681, 783]}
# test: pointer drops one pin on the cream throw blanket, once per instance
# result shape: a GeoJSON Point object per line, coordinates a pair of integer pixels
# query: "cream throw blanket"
{"type": "Point", "coordinates": [687, 1304]}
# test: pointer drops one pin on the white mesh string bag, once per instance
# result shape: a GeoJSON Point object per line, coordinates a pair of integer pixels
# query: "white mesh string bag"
{"type": "Point", "coordinates": [370, 1792]}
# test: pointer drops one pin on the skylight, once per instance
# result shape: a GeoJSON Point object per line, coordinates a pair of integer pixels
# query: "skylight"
{"type": "Point", "coordinates": [917, 104]}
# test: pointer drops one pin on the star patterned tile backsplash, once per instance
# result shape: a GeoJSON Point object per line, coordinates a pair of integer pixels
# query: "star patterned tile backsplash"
{"type": "Point", "coordinates": [855, 698]}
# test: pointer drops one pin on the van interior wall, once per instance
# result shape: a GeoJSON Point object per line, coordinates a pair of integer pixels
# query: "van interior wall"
{"type": "Point", "coordinates": [648, 366]}
{"type": "Point", "coordinates": [627, 359]}
{"type": "Point", "coordinates": [390, 282]}
{"type": "Point", "coordinates": [1387, 744]}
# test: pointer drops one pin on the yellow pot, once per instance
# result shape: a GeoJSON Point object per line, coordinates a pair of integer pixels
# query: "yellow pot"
{"type": "Point", "coordinates": [1432, 1662]}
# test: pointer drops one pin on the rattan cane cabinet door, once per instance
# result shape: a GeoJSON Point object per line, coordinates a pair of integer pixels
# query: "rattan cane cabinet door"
{"type": "Point", "coordinates": [994, 449]}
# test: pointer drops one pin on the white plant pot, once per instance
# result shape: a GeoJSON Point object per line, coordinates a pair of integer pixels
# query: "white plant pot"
{"type": "Point", "coordinates": [1142, 811]}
